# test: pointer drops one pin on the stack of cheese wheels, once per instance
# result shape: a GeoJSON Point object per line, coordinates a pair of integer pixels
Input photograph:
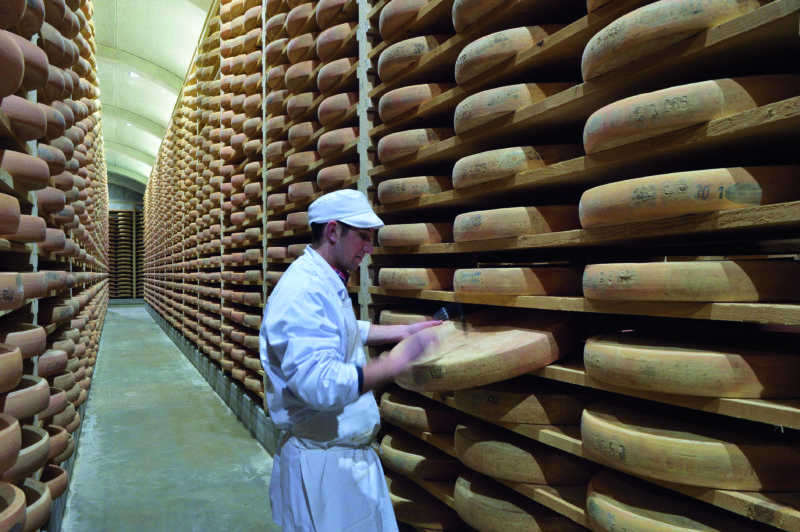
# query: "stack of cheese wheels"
{"type": "Point", "coordinates": [525, 400]}
{"type": "Point", "coordinates": [654, 27]}
{"type": "Point", "coordinates": [503, 455]}
{"type": "Point", "coordinates": [708, 364]}
{"type": "Point", "coordinates": [700, 191]}
{"type": "Point", "coordinates": [655, 113]}
{"type": "Point", "coordinates": [415, 506]}
{"type": "Point", "coordinates": [699, 281]}
{"type": "Point", "coordinates": [407, 188]}
{"type": "Point", "coordinates": [544, 281]}
{"type": "Point", "coordinates": [416, 278]}
{"type": "Point", "coordinates": [487, 505]}
{"type": "Point", "coordinates": [707, 451]}
{"type": "Point", "coordinates": [415, 234]}
{"type": "Point", "coordinates": [615, 501]}
{"type": "Point", "coordinates": [514, 222]}
{"type": "Point", "coordinates": [408, 455]}
{"type": "Point", "coordinates": [491, 346]}
{"type": "Point", "coordinates": [415, 412]}
{"type": "Point", "coordinates": [506, 162]}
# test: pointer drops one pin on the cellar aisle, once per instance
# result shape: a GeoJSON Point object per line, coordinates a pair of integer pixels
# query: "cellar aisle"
{"type": "Point", "coordinates": [159, 450]}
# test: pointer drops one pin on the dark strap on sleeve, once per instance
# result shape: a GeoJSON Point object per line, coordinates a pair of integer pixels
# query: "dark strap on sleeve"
{"type": "Point", "coordinates": [360, 372]}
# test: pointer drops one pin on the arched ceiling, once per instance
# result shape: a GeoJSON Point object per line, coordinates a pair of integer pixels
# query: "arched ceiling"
{"type": "Point", "coordinates": [144, 48]}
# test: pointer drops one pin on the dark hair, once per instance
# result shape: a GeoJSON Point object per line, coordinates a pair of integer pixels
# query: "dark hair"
{"type": "Point", "coordinates": [318, 230]}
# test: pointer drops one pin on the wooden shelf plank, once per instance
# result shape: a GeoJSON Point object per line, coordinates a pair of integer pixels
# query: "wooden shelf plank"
{"type": "Point", "coordinates": [786, 314]}
{"type": "Point", "coordinates": [770, 27]}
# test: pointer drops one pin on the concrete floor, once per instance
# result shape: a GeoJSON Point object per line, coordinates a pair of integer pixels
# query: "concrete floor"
{"type": "Point", "coordinates": [159, 450]}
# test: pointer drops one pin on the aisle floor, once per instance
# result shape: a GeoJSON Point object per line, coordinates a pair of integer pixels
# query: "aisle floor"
{"type": "Point", "coordinates": [159, 450]}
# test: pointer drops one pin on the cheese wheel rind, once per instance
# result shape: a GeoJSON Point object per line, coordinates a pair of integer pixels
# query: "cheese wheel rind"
{"type": "Point", "coordinates": [400, 144]}
{"type": "Point", "coordinates": [407, 188]}
{"type": "Point", "coordinates": [416, 412]}
{"type": "Point", "coordinates": [398, 15]}
{"type": "Point", "coordinates": [399, 101]}
{"type": "Point", "coordinates": [505, 162]}
{"type": "Point", "coordinates": [410, 456]}
{"type": "Point", "coordinates": [415, 234]}
{"type": "Point", "coordinates": [514, 222]}
{"type": "Point", "coordinates": [554, 281]}
{"type": "Point", "coordinates": [400, 56]}
{"type": "Point", "coordinates": [416, 278]}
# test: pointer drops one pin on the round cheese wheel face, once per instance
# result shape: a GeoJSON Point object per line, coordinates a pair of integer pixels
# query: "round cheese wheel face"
{"type": "Point", "coordinates": [655, 113]}
{"type": "Point", "coordinates": [408, 188]}
{"type": "Point", "coordinates": [506, 162]}
{"type": "Point", "coordinates": [402, 56]}
{"type": "Point", "coordinates": [486, 52]}
{"type": "Point", "coordinates": [412, 457]}
{"type": "Point", "coordinates": [397, 145]}
{"type": "Point", "coordinates": [415, 234]}
{"type": "Point", "coordinates": [299, 162]}
{"type": "Point", "coordinates": [492, 346]}
{"type": "Point", "coordinates": [488, 105]}
{"type": "Point", "coordinates": [703, 451]}
{"type": "Point", "coordinates": [489, 506]}
{"type": "Point", "coordinates": [298, 106]}
{"type": "Point", "coordinates": [555, 281]}
{"type": "Point", "coordinates": [329, 12]}
{"type": "Point", "coordinates": [300, 134]}
{"type": "Point", "coordinates": [332, 176]}
{"type": "Point", "coordinates": [654, 27]}
{"type": "Point", "coordinates": [333, 74]}
{"type": "Point", "coordinates": [404, 317]}
{"type": "Point", "coordinates": [525, 400]}
{"type": "Point", "coordinates": [467, 12]}
{"type": "Point", "coordinates": [276, 77]}
{"type": "Point", "coordinates": [504, 455]}
{"type": "Point", "coordinates": [700, 281]}
{"type": "Point", "coordinates": [615, 501]}
{"type": "Point", "coordinates": [275, 50]}
{"type": "Point", "coordinates": [302, 48]}
{"type": "Point", "coordinates": [397, 102]}
{"type": "Point", "coordinates": [677, 194]}
{"type": "Point", "coordinates": [331, 142]}
{"type": "Point", "coordinates": [706, 365]}
{"type": "Point", "coordinates": [301, 74]}
{"type": "Point", "coordinates": [416, 412]}
{"type": "Point", "coordinates": [398, 15]}
{"type": "Point", "coordinates": [415, 506]}
{"type": "Point", "coordinates": [416, 278]}
{"type": "Point", "coordinates": [302, 190]}
{"type": "Point", "coordinates": [338, 41]}
{"type": "Point", "coordinates": [301, 19]}
{"type": "Point", "coordinates": [334, 108]}
{"type": "Point", "coordinates": [514, 222]}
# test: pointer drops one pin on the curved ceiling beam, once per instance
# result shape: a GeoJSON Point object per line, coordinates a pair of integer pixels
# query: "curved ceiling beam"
{"type": "Point", "coordinates": [126, 178]}
{"type": "Point", "coordinates": [145, 124]}
{"type": "Point", "coordinates": [133, 153]}
{"type": "Point", "coordinates": [162, 76]}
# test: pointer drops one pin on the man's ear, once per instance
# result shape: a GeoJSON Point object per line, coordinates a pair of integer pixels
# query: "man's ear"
{"type": "Point", "coordinates": [332, 231]}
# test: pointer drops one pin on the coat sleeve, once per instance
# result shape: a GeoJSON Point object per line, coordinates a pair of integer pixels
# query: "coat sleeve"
{"type": "Point", "coordinates": [306, 340]}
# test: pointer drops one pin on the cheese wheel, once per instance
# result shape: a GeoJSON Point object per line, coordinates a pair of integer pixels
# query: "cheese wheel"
{"type": "Point", "coordinates": [487, 52]}
{"type": "Point", "coordinates": [416, 278]}
{"type": "Point", "coordinates": [403, 100]}
{"type": "Point", "coordinates": [276, 151]}
{"type": "Point", "coordinates": [398, 15]}
{"type": "Point", "coordinates": [700, 281]}
{"type": "Point", "coordinates": [275, 51]}
{"type": "Point", "coordinates": [276, 226]}
{"type": "Point", "coordinates": [299, 162]}
{"type": "Point", "coordinates": [408, 188]}
{"type": "Point", "coordinates": [467, 12]}
{"type": "Point", "coordinates": [277, 252]}
{"type": "Point", "coordinates": [276, 77]}
{"type": "Point", "coordinates": [503, 455]}
{"type": "Point", "coordinates": [302, 190]}
{"type": "Point", "coordinates": [331, 142]}
{"type": "Point", "coordinates": [400, 144]}
{"type": "Point", "coordinates": [505, 162]}
{"type": "Point", "coordinates": [299, 75]}
{"type": "Point", "coordinates": [275, 26]}
{"type": "Point", "coordinates": [332, 74]}
{"type": "Point", "coordinates": [296, 220]}
{"type": "Point", "coordinates": [416, 412]}
{"type": "Point", "coordinates": [335, 175]}
{"type": "Point", "coordinates": [655, 113]}
{"type": "Point", "coordinates": [713, 366]}
{"type": "Point", "coordinates": [338, 41]}
{"type": "Point", "coordinates": [488, 105]}
{"type": "Point", "coordinates": [300, 134]}
{"type": "Point", "coordinates": [27, 118]}
{"type": "Point", "coordinates": [669, 195]}
{"type": "Point", "coordinates": [334, 108]}
{"type": "Point", "coordinates": [514, 222]}
{"type": "Point", "coordinates": [30, 229]}
{"type": "Point", "coordinates": [302, 48]}
{"type": "Point", "coordinates": [402, 56]}
{"type": "Point", "coordinates": [9, 214]}
{"type": "Point", "coordinates": [56, 126]}
{"type": "Point", "coordinates": [297, 106]}
{"type": "Point", "coordinates": [412, 457]}
{"type": "Point", "coordinates": [663, 444]}
{"type": "Point", "coordinates": [653, 27]}
{"type": "Point", "coordinates": [542, 281]}
{"type": "Point", "coordinates": [53, 157]}
{"type": "Point", "coordinates": [618, 502]}
{"type": "Point", "coordinates": [33, 18]}
{"type": "Point", "coordinates": [252, 104]}
{"type": "Point", "coordinates": [415, 506]}
{"type": "Point", "coordinates": [276, 199]}
{"type": "Point", "coordinates": [11, 291]}
{"type": "Point", "coordinates": [301, 19]}
{"type": "Point", "coordinates": [295, 250]}
{"type": "Point", "coordinates": [275, 176]}
{"type": "Point", "coordinates": [489, 506]}
{"type": "Point", "coordinates": [495, 345]}
{"type": "Point", "coordinates": [252, 127]}
{"type": "Point", "coordinates": [252, 62]}
{"type": "Point", "coordinates": [276, 125]}
{"type": "Point", "coordinates": [415, 234]}
{"type": "Point", "coordinates": [36, 65]}
{"type": "Point", "coordinates": [525, 399]}
{"type": "Point", "coordinates": [13, 64]}
{"type": "Point", "coordinates": [28, 172]}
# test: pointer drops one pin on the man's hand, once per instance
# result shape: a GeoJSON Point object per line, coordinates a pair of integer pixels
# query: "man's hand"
{"type": "Point", "coordinates": [385, 368]}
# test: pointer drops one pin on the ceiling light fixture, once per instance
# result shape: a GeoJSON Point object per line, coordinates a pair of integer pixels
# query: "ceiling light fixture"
{"type": "Point", "coordinates": [133, 74]}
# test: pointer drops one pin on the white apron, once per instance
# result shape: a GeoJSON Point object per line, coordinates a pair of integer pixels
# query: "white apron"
{"type": "Point", "coordinates": [326, 477]}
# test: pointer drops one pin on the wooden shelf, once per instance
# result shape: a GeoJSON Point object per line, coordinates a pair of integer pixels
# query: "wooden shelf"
{"type": "Point", "coordinates": [767, 29]}
{"type": "Point", "coordinates": [735, 312]}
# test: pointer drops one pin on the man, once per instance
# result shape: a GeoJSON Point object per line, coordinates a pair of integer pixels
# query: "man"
{"type": "Point", "coordinates": [326, 477]}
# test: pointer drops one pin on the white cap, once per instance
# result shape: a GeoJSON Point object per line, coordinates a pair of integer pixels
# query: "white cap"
{"type": "Point", "coordinates": [347, 206]}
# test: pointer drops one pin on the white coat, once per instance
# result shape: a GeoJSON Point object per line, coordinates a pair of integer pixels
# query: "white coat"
{"type": "Point", "coordinates": [326, 477]}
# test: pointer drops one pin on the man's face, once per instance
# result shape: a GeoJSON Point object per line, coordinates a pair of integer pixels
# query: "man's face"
{"type": "Point", "coordinates": [351, 248]}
